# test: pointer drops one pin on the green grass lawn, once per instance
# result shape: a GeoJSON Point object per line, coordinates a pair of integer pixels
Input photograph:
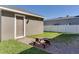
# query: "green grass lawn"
{"type": "Point", "coordinates": [66, 38]}
{"type": "Point", "coordinates": [46, 35]}
{"type": "Point", "coordinates": [15, 47]}
{"type": "Point", "coordinates": [57, 37]}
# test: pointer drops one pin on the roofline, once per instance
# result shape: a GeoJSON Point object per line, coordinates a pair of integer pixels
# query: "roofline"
{"type": "Point", "coordinates": [13, 10]}
{"type": "Point", "coordinates": [63, 18]}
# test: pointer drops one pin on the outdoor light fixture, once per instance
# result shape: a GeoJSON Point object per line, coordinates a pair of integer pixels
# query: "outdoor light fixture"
{"type": "Point", "coordinates": [27, 21]}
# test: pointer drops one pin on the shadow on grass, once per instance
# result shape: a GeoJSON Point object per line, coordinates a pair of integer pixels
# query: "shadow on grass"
{"type": "Point", "coordinates": [66, 38]}
{"type": "Point", "coordinates": [33, 50]}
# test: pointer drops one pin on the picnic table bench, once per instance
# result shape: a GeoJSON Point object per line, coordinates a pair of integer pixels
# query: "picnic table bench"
{"type": "Point", "coordinates": [43, 42]}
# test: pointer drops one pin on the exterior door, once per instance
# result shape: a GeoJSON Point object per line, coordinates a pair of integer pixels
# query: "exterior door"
{"type": "Point", "coordinates": [19, 26]}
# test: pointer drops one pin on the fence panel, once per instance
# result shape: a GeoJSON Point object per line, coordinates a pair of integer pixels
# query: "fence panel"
{"type": "Point", "coordinates": [62, 28]}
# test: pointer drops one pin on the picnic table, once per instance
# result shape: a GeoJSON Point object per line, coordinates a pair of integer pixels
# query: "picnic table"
{"type": "Point", "coordinates": [41, 41]}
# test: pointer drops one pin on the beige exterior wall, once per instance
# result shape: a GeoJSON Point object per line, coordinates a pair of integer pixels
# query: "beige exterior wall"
{"type": "Point", "coordinates": [34, 27]}
{"type": "Point", "coordinates": [0, 24]}
{"type": "Point", "coordinates": [7, 25]}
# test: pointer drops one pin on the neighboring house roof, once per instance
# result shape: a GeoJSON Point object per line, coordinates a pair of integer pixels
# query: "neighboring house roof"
{"type": "Point", "coordinates": [18, 10]}
{"type": "Point", "coordinates": [62, 18]}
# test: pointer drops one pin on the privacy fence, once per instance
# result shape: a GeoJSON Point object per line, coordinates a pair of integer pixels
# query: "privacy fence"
{"type": "Point", "coordinates": [62, 28]}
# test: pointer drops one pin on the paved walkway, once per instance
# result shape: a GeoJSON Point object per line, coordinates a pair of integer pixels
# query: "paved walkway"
{"type": "Point", "coordinates": [57, 47]}
{"type": "Point", "coordinates": [26, 40]}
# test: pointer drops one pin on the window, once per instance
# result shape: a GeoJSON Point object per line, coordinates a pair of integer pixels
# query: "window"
{"type": "Point", "coordinates": [69, 23]}
{"type": "Point", "coordinates": [56, 24]}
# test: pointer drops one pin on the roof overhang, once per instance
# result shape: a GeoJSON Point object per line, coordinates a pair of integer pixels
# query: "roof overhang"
{"type": "Point", "coordinates": [17, 11]}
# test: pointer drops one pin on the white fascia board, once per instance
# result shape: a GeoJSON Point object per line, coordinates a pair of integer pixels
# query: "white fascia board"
{"type": "Point", "coordinates": [17, 11]}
